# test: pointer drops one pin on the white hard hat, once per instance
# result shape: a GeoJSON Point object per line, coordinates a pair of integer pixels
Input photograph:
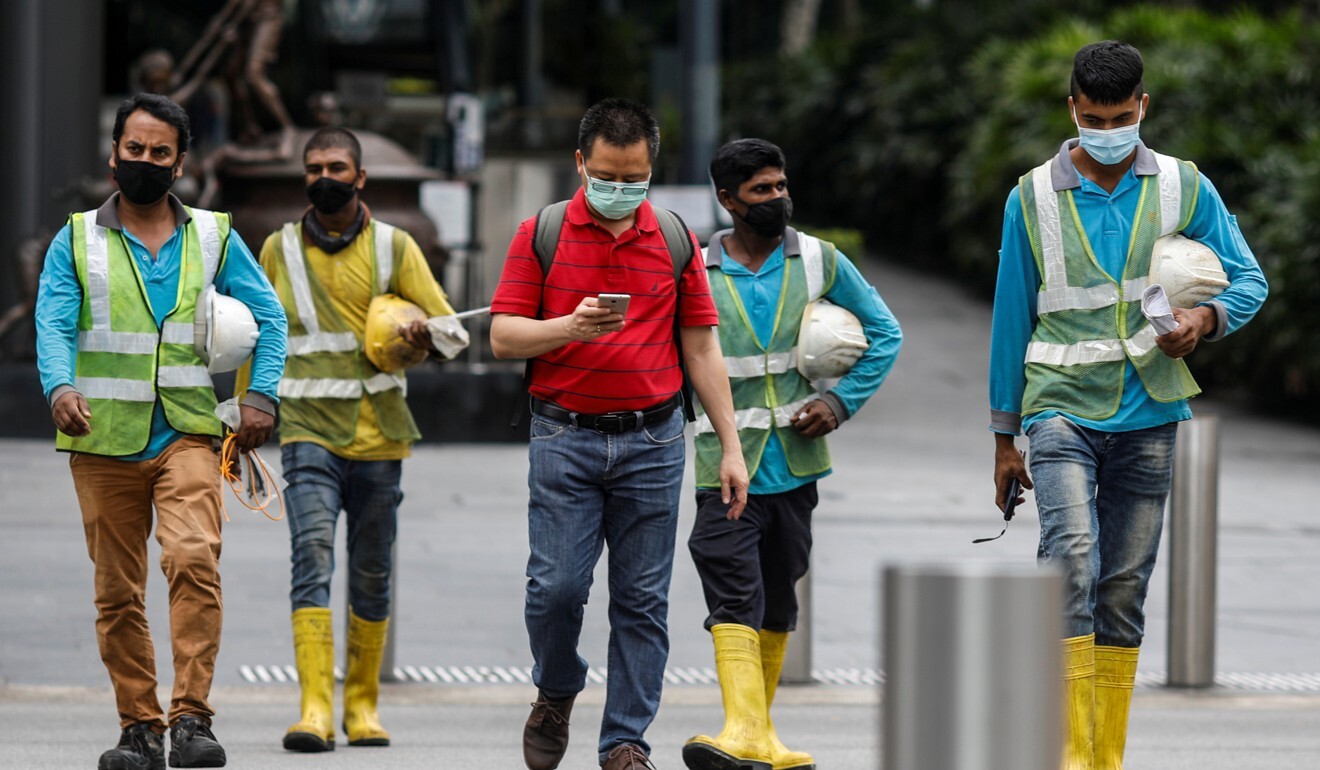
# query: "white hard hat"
{"type": "Point", "coordinates": [385, 348]}
{"type": "Point", "coordinates": [224, 331]}
{"type": "Point", "coordinates": [1189, 271]}
{"type": "Point", "coordinates": [830, 341]}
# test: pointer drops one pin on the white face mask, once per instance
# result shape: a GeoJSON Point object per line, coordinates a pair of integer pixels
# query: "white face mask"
{"type": "Point", "coordinates": [1109, 146]}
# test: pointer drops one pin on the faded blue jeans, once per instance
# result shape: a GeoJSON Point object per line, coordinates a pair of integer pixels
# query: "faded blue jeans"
{"type": "Point", "coordinates": [1101, 502]}
{"type": "Point", "coordinates": [589, 490]}
{"type": "Point", "coordinates": [321, 484]}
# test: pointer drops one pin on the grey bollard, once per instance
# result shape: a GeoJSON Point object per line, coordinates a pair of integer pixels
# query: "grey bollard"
{"type": "Point", "coordinates": [972, 667]}
{"type": "Point", "coordinates": [1193, 530]}
{"type": "Point", "coordinates": [797, 659]}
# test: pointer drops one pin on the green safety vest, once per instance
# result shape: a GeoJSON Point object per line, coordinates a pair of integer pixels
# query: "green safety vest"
{"type": "Point", "coordinates": [327, 372]}
{"type": "Point", "coordinates": [1089, 324]}
{"type": "Point", "coordinates": [767, 387]}
{"type": "Point", "coordinates": [125, 361]}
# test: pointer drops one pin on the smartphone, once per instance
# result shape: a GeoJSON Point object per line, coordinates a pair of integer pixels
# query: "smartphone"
{"type": "Point", "coordinates": [1014, 489]}
{"type": "Point", "coordinates": [615, 302]}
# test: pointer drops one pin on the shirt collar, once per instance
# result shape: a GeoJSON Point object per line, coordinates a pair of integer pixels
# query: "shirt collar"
{"type": "Point", "coordinates": [580, 215]}
{"type": "Point", "coordinates": [1064, 176]}
{"type": "Point", "coordinates": [108, 215]}
{"type": "Point", "coordinates": [715, 251]}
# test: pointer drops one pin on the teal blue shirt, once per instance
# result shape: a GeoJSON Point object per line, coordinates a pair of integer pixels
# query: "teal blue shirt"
{"type": "Point", "coordinates": [759, 293]}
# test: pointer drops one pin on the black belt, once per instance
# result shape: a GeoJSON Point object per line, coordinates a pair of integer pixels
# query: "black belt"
{"type": "Point", "coordinates": [613, 422]}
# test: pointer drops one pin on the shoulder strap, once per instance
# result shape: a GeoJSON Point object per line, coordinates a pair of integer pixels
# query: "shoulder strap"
{"type": "Point", "coordinates": [545, 239]}
{"type": "Point", "coordinates": [675, 232]}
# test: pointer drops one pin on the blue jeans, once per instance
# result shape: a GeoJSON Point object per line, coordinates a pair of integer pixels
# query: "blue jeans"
{"type": "Point", "coordinates": [587, 490]}
{"type": "Point", "coordinates": [1101, 502]}
{"type": "Point", "coordinates": [320, 485]}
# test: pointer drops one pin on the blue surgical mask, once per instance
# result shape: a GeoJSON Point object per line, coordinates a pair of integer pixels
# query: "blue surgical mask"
{"type": "Point", "coordinates": [614, 200]}
{"type": "Point", "coordinates": [1110, 146]}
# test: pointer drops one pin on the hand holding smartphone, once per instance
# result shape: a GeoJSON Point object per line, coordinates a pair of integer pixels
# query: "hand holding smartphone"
{"type": "Point", "coordinates": [617, 303]}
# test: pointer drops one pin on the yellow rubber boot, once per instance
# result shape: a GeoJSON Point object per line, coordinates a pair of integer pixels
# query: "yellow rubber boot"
{"type": "Point", "coordinates": [741, 744]}
{"type": "Point", "coordinates": [366, 645]}
{"type": "Point", "coordinates": [314, 652]}
{"type": "Point", "coordinates": [774, 645]}
{"type": "Point", "coordinates": [1078, 702]}
{"type": "Point", "coordinates": [1115, 675]}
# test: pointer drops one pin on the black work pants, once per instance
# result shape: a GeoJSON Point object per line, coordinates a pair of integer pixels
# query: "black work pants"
{"type": "Point", "coordinates": [749, 566]}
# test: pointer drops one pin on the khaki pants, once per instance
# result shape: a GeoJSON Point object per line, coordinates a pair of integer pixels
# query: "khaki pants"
{"type": "Point", "coordinates": [183, 483]}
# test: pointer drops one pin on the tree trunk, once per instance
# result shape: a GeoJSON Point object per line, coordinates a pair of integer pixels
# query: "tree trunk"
{"type": "Point", "coordinates": [797, 28]}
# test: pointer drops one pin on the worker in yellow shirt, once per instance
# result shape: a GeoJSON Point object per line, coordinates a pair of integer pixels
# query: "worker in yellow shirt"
{"type": "Point", "coordinates": [345, 427]}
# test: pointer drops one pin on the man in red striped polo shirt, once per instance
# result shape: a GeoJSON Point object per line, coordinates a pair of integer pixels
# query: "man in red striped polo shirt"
{"type": "Point", "coordinates": [607, 446]}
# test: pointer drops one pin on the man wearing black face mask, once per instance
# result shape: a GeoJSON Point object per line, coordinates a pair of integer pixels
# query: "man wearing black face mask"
{"type": "Point", "coordinates": [763, 274]}
{"type": "Point", "coordinates": [345, 427]}
{"type": "Point", "coordinates": [134, 406]}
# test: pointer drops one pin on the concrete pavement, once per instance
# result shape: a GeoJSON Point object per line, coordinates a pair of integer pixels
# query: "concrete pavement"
{"type": "Point", "coordinates": [911, 483]}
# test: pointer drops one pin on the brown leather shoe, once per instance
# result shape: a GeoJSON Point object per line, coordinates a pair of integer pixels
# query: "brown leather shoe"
{"type": "Point", "coordinates": [627, 756]}
{"type": "Point", "coordinates": [545, 737]}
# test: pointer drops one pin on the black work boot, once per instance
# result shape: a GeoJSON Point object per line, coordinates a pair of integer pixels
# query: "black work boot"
{"type": "Point", "coordinates": [192, 744]}
{"type": "Point", "coordinates": [140, 748]}
{"type": "Point", "coordinates": [545, 737]}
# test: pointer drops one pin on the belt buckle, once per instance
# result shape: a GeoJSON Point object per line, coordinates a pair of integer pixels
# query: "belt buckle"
{"type": "Point", "coordinates": [611, 423]}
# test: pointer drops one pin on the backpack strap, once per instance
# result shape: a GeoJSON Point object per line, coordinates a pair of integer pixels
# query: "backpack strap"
{"type": "Point", "coordinates": [545, 238]}
{"type": "Point", "coordinates": [675, 232]}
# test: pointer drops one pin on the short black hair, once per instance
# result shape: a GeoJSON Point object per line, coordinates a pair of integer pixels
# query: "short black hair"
{"type": "Point", "coordinates": [334, 136]}
{"type": "Point", "coordinates": [159, 107]}
{"type": "Point", "coordinates": [739, 160]}
{"type": "Point", "coordinates": [1108, 72]}
{"type": "Point", "coordinates": [621, 123]}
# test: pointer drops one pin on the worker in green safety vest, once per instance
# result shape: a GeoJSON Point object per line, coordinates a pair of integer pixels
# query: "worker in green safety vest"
{"type": "Point", "coordinates": [133, 402]}
{"type": "Point", "coordinates": [1076, 365]}
{"type": "Point", "coordinates": [763, 276]}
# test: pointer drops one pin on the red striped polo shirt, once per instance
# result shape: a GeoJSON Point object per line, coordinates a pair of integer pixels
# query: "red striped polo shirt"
{"type": "Point", "coordinates": [636, 367]}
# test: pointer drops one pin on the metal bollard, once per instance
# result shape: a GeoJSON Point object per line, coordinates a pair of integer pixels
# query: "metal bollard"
{"type": "Point", "coordinates": [797, 659]}
{"type": "Point", "coordinates": [1193, 531]}
{"type": "Point", "coordinates": [972, 667]}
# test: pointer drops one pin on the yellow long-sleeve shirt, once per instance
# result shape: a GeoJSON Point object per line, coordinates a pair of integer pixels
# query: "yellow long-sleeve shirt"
{"type": "Point", "coordinates": [347, 277]}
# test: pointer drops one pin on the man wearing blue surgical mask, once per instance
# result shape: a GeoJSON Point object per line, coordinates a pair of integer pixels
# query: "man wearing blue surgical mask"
{"type": "Point", "coordinates": [1076, 366]}
{"type": "Point", "coordinates": [606, 386]}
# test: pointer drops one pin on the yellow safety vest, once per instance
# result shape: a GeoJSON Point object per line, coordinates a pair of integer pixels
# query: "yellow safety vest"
{"type": "Point", "coordinates": [327, 372]}
{"type": "Point", "coordinates": [125, 361]}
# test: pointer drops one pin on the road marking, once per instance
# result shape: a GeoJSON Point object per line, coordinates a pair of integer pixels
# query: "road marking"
{"type": "Point", "coordinates": [677, 675]}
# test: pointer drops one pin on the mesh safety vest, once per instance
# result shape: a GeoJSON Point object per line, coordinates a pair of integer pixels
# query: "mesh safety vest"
{"type": "Point", "coordinates": [327, 372]}
{"type": "Point", "coordinates": [767, 387]}
{"type": "Point", "coordinates": [1089, 324]}
{"type": "Point", "coordinates": [125, 361]}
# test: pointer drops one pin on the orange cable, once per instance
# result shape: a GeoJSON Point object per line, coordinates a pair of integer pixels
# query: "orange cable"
{"type": "Point", "coordinates": [229, 472]}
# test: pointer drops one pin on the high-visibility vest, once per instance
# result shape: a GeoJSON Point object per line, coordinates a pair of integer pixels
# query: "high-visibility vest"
{"type": "Point", "coordinates": [1089, 324]}
{"type": "Point", "coordinates": [125, 361]}
{"type": "Point", "coordinates": [767, 387]}
{"type": "Point", "coordinates": [327, 372]}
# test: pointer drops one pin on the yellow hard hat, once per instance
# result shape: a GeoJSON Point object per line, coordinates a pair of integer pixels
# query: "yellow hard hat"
{"type": "Point", "coordinates": [385, 349]}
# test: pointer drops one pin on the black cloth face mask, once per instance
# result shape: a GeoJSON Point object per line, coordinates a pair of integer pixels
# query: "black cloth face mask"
{"type": "Point", "coordinates": [768, 218]}
{"type": "Point", "coordinates": [143, 182]}
{"type": "Point", "coordinates": [329, 196]}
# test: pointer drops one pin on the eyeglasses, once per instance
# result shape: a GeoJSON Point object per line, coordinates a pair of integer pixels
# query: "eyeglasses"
{"type": "Point", "coordinates": [624, 188]}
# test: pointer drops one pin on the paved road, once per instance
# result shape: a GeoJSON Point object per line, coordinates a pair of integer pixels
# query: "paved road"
{"type": "Point", "coordinates": [911, 483]}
